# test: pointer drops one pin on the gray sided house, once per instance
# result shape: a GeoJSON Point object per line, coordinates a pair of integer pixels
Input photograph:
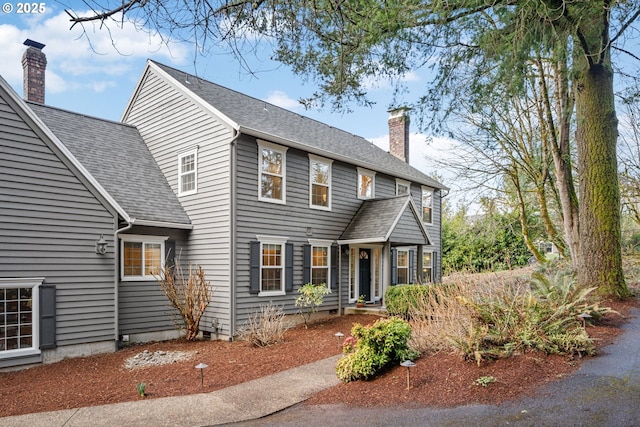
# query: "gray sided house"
{"type": "Point", "coordinates": [278, 200]}
{"type": "Point", "coordinates": [264, 199]}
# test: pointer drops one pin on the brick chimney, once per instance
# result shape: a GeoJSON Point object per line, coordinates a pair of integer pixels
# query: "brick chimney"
{"type": "Point", "coordinates": [399, 133]}
{"type": "Point", "coordinates": [34, 63]}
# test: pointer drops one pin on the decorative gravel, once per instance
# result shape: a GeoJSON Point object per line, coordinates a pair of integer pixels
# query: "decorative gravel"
{"type": "Point", "coordinates": [147, 358]}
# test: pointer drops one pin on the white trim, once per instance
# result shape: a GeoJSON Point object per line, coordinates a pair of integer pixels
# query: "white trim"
{"type": "Point", "coordinates": [273, 240]}
{"type": "Point", "coordinates": [144, 239]}
{"type": "Point", "coordinates": [317, 159]}
{"type": "Point", "coordinates": [193, 152]}
{"type": "Point", "coordinates": [315, 243]}
{"type": "Point", "coordinates": [372, 174]}
{"type": "Point", "coordinates": [353, 294]}
{"type": "Point", "coordinates": [26, 282]}
{"type": "Point", "coordinates": [429, 251]}
{"type": "Point", "coordinates": [405, 183]}
{"type": "Point", "coordinates": [283, 173]}
{"type": "Point", "coordinates": [406, 250]}
{"type": "Point", "coordinates": [429, 190]}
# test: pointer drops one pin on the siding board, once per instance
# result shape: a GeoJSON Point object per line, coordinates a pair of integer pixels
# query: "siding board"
{"type": "Point", "coordinates": [49, 223]}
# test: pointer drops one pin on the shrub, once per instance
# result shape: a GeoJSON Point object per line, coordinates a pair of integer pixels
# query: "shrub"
{"type": "Point", "coordinates": [265, 326]}
{"type": "Point", "coordinates": [190, 295]}
{"type": "Point", "coordinates": [407, 301]}
{"type": "Point", "coordinates": [378, 345]}
{"type": "Point", "coordinates": [311, 297]}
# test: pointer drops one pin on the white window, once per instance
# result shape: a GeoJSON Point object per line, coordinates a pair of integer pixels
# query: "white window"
{"type": "Point", "coordinates": [402, 187]}
{"type": "Point", "coordinates": [188, 173]}
{"type": "Point", "coordinates": [271, 172]}
{"type": "Point", "coordinates": [403, 266]}
{"type": "Point", "coordinates": [427, 205]}
{"type": "Point", "coordinates": [19, 317]}
{"type": "Point", "coordinates": [142, 257]}
{"type": "Point", "coordinates": [427, 267]}
{"type": "Point", "coordinates": [320, 262]}
{"type": "Point", "coordinates": [366, 184]}
{"type": "Point", "coordinates": [319, 182]}
{"type": "Point", "coordinates": [272, 264]}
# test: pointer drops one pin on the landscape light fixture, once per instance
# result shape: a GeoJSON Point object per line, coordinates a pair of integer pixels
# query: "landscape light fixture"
{"type": "Point", "coordinates": [201, 366]}
{"type": "Point", "coordinates": [339, 336]}
{"type": "Point", "coordinates": [101, 245]}
{"type": "Point", "coordinates": [408, 364]}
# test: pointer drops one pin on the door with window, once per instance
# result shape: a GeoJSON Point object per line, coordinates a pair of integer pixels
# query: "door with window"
{"type": "Point", "coordinates": [365, 273]}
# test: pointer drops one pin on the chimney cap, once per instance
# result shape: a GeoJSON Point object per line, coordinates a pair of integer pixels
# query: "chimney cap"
{"type": "Point", "coordinates": [32, 43]}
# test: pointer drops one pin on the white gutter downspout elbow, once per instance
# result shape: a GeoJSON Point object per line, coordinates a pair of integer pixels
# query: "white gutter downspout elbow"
{"type": "Point", "coordinates": [116, 279]}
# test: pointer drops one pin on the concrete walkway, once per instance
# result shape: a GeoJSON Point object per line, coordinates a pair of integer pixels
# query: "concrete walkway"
{"type": "Point", "coordinates": [246, 401]}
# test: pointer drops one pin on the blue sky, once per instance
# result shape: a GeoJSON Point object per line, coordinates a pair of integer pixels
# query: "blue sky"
{"type": "Point", "coordinates": [97, 76]}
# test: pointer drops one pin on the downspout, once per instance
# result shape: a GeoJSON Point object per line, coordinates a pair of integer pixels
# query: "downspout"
{"type": "Point", "coordinates": [116, 279]}
{"type": "Point", "coordinates": [339, 280]}
{"type": "Point", "coordinates": [232, 244]}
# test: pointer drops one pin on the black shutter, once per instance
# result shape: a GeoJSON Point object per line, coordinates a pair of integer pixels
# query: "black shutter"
{"type": "Point", "coordinates": [334, 266]}
{"type": "Point", "coordinates": [288, 267]}
{"type": "Point", "coordinates": [412, 266]}
{"type": "Point", "coordinates": [435, 272]}
{"type": "Point", "coordinates": [306, 264]}
{"type": "Point", "coordinates": [254, 267]}
{"type": "Point", "coordinates": [47, 316]}
{"type": "Point", "coordinates": [394, 266]}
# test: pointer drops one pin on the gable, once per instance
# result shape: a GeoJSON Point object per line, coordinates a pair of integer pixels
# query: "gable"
{"type": "Point", "coordinates": [394, 219]}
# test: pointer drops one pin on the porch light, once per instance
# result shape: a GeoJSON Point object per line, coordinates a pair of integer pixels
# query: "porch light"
{"type": "Point", "coordinates": [408, 364]}
{"type": "Point", "coordinates": [101, 245]}
{"type": "Point", "coordinates": [201, 366]}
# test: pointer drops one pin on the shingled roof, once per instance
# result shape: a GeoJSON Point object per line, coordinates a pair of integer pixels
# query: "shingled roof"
{"type": "Point", "coordinates": [259, 118]}
{"type": "Point", "coordinates": [117, 157]}
{"type": "Point", "coordinates": [376, 220]}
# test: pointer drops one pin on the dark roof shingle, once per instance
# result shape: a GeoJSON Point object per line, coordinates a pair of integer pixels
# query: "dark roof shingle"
{"type": "Point", "coordinates": [117, 157]}
{"type": "Point", "coordinates": [257, 115]}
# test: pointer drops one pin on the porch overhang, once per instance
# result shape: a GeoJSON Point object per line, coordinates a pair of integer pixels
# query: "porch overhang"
{"type": "Point", "coordinates": [395, 220]}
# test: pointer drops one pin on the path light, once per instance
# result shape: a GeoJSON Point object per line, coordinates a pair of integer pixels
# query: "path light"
{"type": "Point", "coordinates": [584, 317]}
{"type": "Point", "coordinates": [339, 336]}
{"type": "Point", "coordinates": [201, 366]}
{"type": "Point", "coordinates": [408, 364]}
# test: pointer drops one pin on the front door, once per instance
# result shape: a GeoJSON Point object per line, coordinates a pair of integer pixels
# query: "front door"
{"type": "Point", "coordinates": [364, 277]}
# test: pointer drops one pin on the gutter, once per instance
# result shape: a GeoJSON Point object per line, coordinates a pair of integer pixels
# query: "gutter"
{"type": "Point", "coordinates": [116, 279]}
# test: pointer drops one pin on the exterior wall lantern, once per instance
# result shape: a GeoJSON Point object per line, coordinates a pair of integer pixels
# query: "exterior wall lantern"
{"type": "Point", "coordinates": [101, 245]}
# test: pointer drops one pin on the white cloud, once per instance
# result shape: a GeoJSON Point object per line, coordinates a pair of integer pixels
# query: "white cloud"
{"type": "Point", "coordinates": [281, 99]}
{"type": "Point", "coordinates": [91, 61]}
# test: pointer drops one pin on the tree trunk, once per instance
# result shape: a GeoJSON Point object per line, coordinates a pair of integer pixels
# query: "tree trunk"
{"type": "Point", "coordinates": [561, 152]}
{"type": "Point", "coordinates": [600, 260]}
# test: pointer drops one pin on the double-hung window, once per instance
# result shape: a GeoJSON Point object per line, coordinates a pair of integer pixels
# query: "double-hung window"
{"type": "Point", "coordinates": [272, 265]}
{"type": "Point", "coordinates": [271, 172]}
{"type": "Point", "coordinates": [188, 173]}
{"type": "Point", "coordinates": [427, 267]}
{"type": "Point", "coordinates": [142, 257]}
{"type": "Point", "coordinates": [319, 182]}
{"type": "Point", "coordinates": [427, 205]}
{"type": "Point", "coordinates": [366, 184]}
{"type": "Point", "coordinates": [403, 266]}
{"type": "Point", "coordinates": [19, 316]}
{"type": "Point", "coordinates": [318, 260]}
